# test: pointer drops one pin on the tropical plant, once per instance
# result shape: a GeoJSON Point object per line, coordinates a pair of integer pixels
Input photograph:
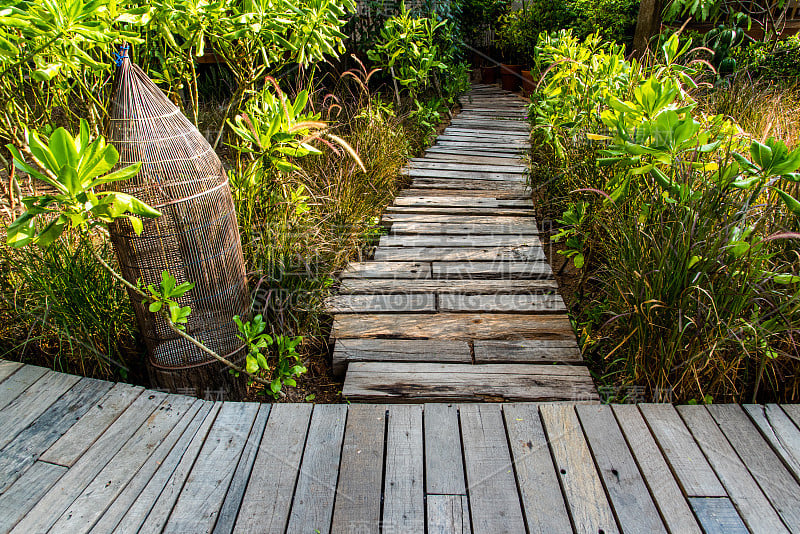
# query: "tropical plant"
{"type": "Point", "coordinates": [408, 49]}
{"type": "Point", "coordinates": [75, 167]}
{"type": "Point", "coordinates": [679, 225]}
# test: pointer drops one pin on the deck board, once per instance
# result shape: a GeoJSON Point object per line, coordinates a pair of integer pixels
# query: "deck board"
{"type": "Point", "coordinates": [494, 502]}
{"type": "Point", "coordinates": [312, 508]}
{"type": "Point", "coordinates": [29, 444]}
{"type": "Point", "coordinates": [743, 490]}
{"type": "Point", "coordinates": [777, 482]}
{"type": "Point", "coordinates": [204, 491]}
{"type": "Point", "coordinates": [85, 469]}
{"type": "Point", "coordinates": [175, 464]}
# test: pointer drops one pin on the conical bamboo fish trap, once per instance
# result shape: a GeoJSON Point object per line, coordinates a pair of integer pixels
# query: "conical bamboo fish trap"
{"type": "Point", "coordinates": [196, 239]}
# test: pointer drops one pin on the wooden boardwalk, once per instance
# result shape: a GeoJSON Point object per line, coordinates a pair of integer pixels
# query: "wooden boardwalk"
{"type": "Point", "coordinates": [81, 455]}
{"type": "Point", "coordinates": [459, 302]}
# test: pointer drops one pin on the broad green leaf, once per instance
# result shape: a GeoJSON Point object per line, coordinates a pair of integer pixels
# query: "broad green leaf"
{"type": "Point", "coordinates": [69, 177]}
{"type": "Point", "coordinates": [52, 231]}
{"type": "Point", "coordinates": [790, 201]}
{"type": "Point", "coordinates": [45, 74]}
{"type": "Point", "coordinates": [136, 223]}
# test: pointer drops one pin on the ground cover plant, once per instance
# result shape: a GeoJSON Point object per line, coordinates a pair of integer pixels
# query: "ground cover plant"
{"type": "Point", "coordinates": [678, 209]}
{"type": "Point", "coordinates": [313, 152]}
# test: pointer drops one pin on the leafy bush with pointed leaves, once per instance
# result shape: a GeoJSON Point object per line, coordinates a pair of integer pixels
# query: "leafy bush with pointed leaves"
{"type": "Point", "coordinates": [685, 227]}
{"type": "Point", "coordinates": [75, 167]}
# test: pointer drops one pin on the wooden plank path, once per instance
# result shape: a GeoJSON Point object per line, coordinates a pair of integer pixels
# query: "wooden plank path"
{"type": "Point", "coordinates": [459, 302]}
{"type": "Point", "coordinates": [100, 457]}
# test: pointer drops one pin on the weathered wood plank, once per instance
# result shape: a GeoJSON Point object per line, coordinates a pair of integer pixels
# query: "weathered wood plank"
{"type": "Point", "coordinates": [397, 350]}
{"type": "Point", "coordinates": [477, 148]}
{"type": "Point", "coordinates": [494, 111]}
{"type": "Point", "coordinates": [504, 128]}
{"type": "Point", "coordinates": [523, 219]}
{"type": "Point", "coordinates": [18, 382]}
{"type": "Point", "coordinates": [493, 269]}
{"type": "Point", "coordinates": [666, 493]}
{"type": "Point", "coordinates": [166, 424]}
{"type": "Point", "coordinates": [477, 160]}
{"type": "Point", "coordinates": [437, 382]}
{"type": "Point", "coordinates": [542, 500]}
{"type": "Point", "coordinates": [404, 503]}
{"type": "Point", "coordinates": [625, 485]}
{"type": "Point", "coordinates": [753, 506]}
{"type": "Point", "coordinates": [518, 303]}
{"type": "Point", "coordinates": [149, 513]}
{"type": "Point", "coordinates": [780, 431]}
{"type": "Point", "coordinates": [398, 303]}
{"type": "Point", "coordinates": [8, 368]}
{"type": "Point", "coordinates": [425, 163]}
{"type": "Point", "coordinates": [763, 463]}
{"type": "Point", "coordinates": [793, 411]}
{"type": "Point", "coordinates": [486, 116]}
{"type": "Point", "coordinates": [526, 351]}
{"type": "Point", "coordinates": [448, 514]}
{"type": "Point", "coordinates": [85, 469]}
{"type": "Point", "coordinates": [483, 228]}
{"type": "Point", "coordinates": [502, 125]}
{"type": "Point", "coordinates": [477, 132]}
{"type": "Point", "coordinates": [465, 287]}
{"type": "Point", "coordinates": [496, 141]}
{"type": "Point", "coordinates": [91, 426]}
{"type": "Point", "coordinates": [497, 138]}
{"type": "Point", "coordinates": [312, 508]}
{"type": "Point", "coordinates": [444, 466]}
{"type": "Point", "coordinates": [452, 326]}
{"type": "Point", "coordinates": [506, 187]}
{"type": "Point", "coordinates": [459, 241]}
{"type": "Point", "coordinates": [495, 188]}
{"type": "Point", "coordinates": [583, 490]}
{"type": "Point", "coordinates": [424, 254]}
{"type": "Point", "coordinates": [23, 494]}
{"type": "Point", "coordinates": [462, 201]}
{"type": "Point", "coordinates": [358, 491]}
{"type": "Point", "coordinates": [459, 210]}
{"type": "Point", "coordinates": [494, 501]}
{"type": "Point", "coordinates": [142, 491]}
{"type": "Point", "coordinates": [485, 152]}
{"type": "Point", "coordinates": [519, 192]}
{"type": "Point", "coordinates": [241, 478]}
{"type": "Point", "coordinates": [691, 468]}
{"type": "Point", "coordinates": [717, 515]}
{"type": "Point", "coordinates": [274, 474]}
{"type": "Point", "coordinates": [29, 444]}
{"type": "Point", "coordinates": [493, 101]}
{"type": "Point", "coordinates": [382, 269]}
{"type": "Point", "coordinates": [32, 403]}
{"type": "Point", "coordinates": [202, 495]}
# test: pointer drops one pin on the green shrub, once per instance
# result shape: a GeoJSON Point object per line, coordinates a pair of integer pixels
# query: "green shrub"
{"type": "Point", "coordinates": [779, 60]}
{"type": "Point", "coordinates": [519, 30]}
{"type": "Point", "coordinates": [680, 224]}
{"type": "Point", "coordinates": [615, 20]}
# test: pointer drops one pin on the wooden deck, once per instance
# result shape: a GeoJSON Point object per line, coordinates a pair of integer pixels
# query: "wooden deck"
{"type": "Point", "coordinates": [82, 455]}
{"type": "Point", "coordinates": [459, 302]}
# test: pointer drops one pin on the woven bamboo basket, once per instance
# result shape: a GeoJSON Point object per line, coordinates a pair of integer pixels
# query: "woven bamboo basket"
{"type": "Point", "coordinates": [196, 239]}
